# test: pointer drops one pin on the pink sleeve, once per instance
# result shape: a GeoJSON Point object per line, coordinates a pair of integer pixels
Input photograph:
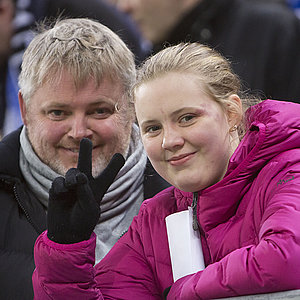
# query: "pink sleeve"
{"type": "Point", "coordinates": [64, 267]}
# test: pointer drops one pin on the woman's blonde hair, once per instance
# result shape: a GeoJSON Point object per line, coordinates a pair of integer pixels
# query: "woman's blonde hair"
{"type": "Point", "coordinates": [212, 69]}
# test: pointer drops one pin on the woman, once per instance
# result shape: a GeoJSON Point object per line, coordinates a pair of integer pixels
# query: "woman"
{"type": "Point", "coordinates": [246, 192]}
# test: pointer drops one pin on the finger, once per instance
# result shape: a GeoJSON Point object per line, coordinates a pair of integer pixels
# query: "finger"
{"type": "Point", "coordinates": [73, 178]}
{"type": "Point", "coordinates": [110, 172]}
{"type": "Point", "coordinates": [85, 157]}
{"type": "Point", "coordinates": [58, 186]}
{"type": "Point", "coordinates": [86, 197]}
{"type": "Point", "coordinates": [81, 178]}
{"type": "Point", "coordinates": [106, 178]}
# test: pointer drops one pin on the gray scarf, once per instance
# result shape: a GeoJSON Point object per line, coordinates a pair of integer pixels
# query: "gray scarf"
{"type": "Point", "coordinates": [119, 205]}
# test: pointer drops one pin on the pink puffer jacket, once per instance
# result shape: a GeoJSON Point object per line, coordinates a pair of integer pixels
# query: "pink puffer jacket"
{"type": "Point", "coordinates": [250, 226]}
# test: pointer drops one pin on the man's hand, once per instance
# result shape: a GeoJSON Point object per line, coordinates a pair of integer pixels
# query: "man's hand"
{"type": "Point", "coordinates": [74, 201]}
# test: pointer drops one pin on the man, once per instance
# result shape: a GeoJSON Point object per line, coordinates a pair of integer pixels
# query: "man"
{"type": "Point", "coordinates": [75, 83]}
{"type": "Point", "coordinates": [7, 9]}
{"type": "Point", "coordinates": [261, 38]}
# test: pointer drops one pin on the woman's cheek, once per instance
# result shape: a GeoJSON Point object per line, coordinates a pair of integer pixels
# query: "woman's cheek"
{"type": "Point", "coordinates": [152, 148]}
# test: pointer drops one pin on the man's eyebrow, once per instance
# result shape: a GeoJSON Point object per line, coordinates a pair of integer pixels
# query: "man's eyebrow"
{"type": "Point", "coordinates": [103, 100]}
{"type": "Point", "coordinates": [95, 102]}
{"type": "Point", "coordinates": [54, 104]}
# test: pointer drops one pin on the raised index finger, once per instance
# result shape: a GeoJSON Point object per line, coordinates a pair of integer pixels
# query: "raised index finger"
{"type": "Point", "coordinates": [85, 157]}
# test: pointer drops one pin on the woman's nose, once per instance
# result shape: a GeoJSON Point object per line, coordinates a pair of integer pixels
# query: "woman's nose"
{"type": "Point", "coordinates": [172, 140]}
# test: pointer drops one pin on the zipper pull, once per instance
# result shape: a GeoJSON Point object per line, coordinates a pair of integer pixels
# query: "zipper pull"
{"type": "Point", "coordinates": [194, 208]}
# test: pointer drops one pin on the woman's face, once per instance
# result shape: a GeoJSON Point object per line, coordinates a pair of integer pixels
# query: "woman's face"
{"type": "Point", "coordinates": [184, 131]}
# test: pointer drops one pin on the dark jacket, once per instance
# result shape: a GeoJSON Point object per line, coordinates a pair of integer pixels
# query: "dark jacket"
{"type": "Point", "coordinates": [2, 95]}
{"type": "Point", "coordinates": [261, 39]}
{"type": "Point", "coordinates": [23, 218]}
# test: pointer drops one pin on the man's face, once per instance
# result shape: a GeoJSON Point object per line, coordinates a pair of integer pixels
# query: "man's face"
{"type": "Point", "coordinates": [58, 116]}
{"type": "Point", "coordinates": [6, 27]}
{"type": "Point", "coordinates": [155, 18]}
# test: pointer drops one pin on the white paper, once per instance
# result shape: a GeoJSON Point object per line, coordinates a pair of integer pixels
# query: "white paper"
{"type": "Point", "coordinates": [184, 244]}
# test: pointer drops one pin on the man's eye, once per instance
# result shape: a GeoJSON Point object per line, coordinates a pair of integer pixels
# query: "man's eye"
{"type": "Point", "coordinates": [57, 114]}
{"type": "Point", "coordinates": [102, 112]}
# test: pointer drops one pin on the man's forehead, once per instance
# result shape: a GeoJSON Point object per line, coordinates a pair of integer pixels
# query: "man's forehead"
{"type": "Point", "coordinates": [61, 80]}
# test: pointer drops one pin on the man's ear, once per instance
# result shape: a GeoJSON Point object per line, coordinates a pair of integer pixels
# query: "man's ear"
{"type": "Point", "coordinates": [23, 109]}
{"type": "Point", "coordinates": [235, 111]}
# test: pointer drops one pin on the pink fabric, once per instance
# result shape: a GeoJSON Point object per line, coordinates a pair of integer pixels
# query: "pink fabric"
{"type": "Point", "coordinates": [250, 225]}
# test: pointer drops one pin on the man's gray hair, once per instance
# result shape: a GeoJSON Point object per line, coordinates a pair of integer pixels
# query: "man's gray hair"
{"type": "Point", "coordinates": [84, 48]}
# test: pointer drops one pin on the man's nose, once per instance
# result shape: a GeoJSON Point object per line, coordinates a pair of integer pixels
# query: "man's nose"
{"type": "Point", "coordinates": [79, 128]}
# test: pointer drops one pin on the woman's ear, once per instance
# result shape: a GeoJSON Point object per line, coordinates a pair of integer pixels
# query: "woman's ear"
{"type": "Point", "coordinates": [235, 110]}
{"type": "Point", "coordinates": [23, 110]}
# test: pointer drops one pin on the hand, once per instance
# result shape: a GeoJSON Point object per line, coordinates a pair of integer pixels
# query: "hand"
{"type": "Point", "coordinates": [74, 201]}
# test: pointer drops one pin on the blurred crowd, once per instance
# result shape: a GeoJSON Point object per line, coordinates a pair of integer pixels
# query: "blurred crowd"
{"type": "Point", "coordinates": [260, 37]}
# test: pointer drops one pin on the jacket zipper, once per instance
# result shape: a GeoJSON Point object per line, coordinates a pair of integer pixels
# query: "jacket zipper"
{"type": "Point", "coordinates": [23, 208]}
{"type": "Point", "coordinates": [196, 225]}
{"type": "Point", "coordinates": [194, 208]}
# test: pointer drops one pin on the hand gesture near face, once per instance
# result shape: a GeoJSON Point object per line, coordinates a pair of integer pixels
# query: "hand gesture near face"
{"type": "Point", "coordinates": [74, 201]}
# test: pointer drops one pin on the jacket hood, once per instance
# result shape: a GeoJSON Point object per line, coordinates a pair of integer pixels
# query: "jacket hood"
{"type": "Point", "coordinates": [274, 127]}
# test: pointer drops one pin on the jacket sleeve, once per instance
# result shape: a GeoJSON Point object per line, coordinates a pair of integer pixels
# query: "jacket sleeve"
{"type": "Point", "coordinates": [273, 264]}
{"type": "Point", "coordinates": [68, 272]}
{"type": "Point", "coordinates": [64, 271]}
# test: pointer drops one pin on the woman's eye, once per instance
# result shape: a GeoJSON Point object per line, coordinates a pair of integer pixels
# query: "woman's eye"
{"type": "Point", "coordinates": [186, 118]}
{"type": "Point", "coordinates": [152, 129]}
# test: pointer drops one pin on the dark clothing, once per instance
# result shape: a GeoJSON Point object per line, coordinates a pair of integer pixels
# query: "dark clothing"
{"type": "Point", "coordinates": [261, 39]}
{"type": "Point", "coordinates": [23, 218]}
{"type": "Point", "coordinates": [2, 96]}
